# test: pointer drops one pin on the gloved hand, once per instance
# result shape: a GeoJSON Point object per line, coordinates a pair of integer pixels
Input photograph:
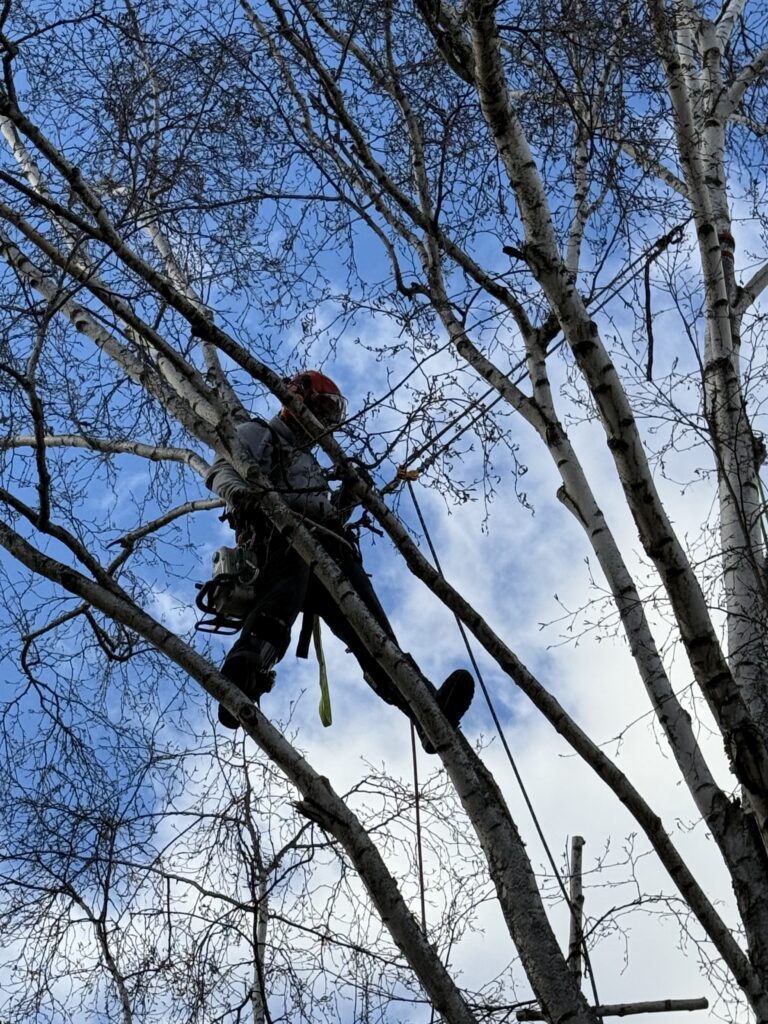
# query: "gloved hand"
{"type": "Point", "coordinates": [338, 526]}
{"type": "Point", "coordinates": [244, 512]}
{"type": "Point", "coordinates": [344, 503]}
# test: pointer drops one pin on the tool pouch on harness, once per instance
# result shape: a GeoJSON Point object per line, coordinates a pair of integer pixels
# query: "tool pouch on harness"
{"type": "Point", "coordinates": [227, 598]}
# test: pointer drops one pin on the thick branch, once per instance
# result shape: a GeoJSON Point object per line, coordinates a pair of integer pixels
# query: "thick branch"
{"type": "Point", "coordinates": [744, 743]}
{"type": "Point", "coordinates": [731, 100]}
{"type": "Point", "coordinates": [320, 802]}
{"type": "Point", "coordinates": [752, 290]}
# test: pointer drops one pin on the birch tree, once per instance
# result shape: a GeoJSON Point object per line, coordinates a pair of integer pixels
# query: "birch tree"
{"type": "Point", "coordinates": [547, 203]}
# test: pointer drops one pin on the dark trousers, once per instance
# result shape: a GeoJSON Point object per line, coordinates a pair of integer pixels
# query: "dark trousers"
{"type": "Point", "coordinates": [287, 587]}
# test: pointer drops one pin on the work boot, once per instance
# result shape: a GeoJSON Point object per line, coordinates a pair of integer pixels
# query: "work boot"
{"type": "Point", "coordinates": [250, 669]}
{"type": "Point", "coordinates": [453, 698]}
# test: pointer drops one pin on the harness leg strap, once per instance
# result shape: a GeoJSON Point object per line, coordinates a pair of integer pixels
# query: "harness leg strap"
{"type": "Point", "coordinates": [307, 622]}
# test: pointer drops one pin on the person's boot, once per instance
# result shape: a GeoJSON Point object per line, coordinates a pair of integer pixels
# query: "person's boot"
{"type": "Point", "coordinates": [249, 667]}
{"type": "Point", "coordinates": [453, 698]}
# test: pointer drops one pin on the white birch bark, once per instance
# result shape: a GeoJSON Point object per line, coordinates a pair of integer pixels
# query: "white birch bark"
{"type": "Point", "coordinates": [726, 20]}
{"type": "Point", "coordinates": [32, 173]}
{"type": "Point", "coordinates": [186, 406]}
{"type": "Point", "coordinates": [749, 292]}
{"type": "Point", "coordinates": [150, 223]}
{"type": "Point", "coordinates": [577, 496]}
{"type": "Point", "coordinates": [217, 379]}
{"type": "Point", "coordinates": [508, 863]}
{"type": "Point", "coordinates": [743, 856]}
{"type": "Point", "coordinates": [739, 495]}
{"type": "Point", "coordinates": [180, 302]}
{"type": "Point", "coordinates": [109, 446]}
{"type": "Point", "coordinates": [729, 101]}
{"type": "Point", "coordinates": [88, 274]}
{"type": "Point", "coordinates": [320, 802]}
{"type": "Point", "coordinates": [179, 374]}
{"type": "Point", "coordinates": [720, 813]}
{"type": "Point", "coordinates": [79, 256]}
{"type": "Point", "coordinates": [744, 744]}
{"type": "Point", "coordinates": [701, 143]}
{"type": "Point", "coordinates": [731, 953]}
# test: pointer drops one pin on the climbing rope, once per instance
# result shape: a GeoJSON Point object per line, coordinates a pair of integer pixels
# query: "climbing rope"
{"type": "Point", "coordinates": [419, 846]}
{"type": "Point", "coordinates": [503, 738]}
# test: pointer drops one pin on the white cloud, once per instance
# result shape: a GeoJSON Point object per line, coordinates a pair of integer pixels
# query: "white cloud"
{"type": "Point", "coordinates": [173, 610]}
{"type": "Point", "coordinates": [512, 574]}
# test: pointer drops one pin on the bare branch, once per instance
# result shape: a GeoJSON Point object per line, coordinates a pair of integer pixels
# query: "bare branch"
{"type": "Point", "coordinates": [731, 100]}
{"type": "Point", "coordinates": [752, 290]}
{"type": "Point", "coordinates": [111, 446]}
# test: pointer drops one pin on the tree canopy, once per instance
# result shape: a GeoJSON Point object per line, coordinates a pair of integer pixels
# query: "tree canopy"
{"type": "Point", "coordinates": [529, 241]}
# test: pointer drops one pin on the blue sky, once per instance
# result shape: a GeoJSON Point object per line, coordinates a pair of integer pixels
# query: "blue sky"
{"type": "Point", "coordinates": [528, 571]}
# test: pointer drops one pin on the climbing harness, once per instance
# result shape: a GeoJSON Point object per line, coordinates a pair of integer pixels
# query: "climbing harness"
{"type": "Point", "coordinates": [419, 844]}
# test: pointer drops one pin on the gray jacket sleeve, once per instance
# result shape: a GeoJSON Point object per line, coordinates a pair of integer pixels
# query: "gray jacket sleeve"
{"type": "Point", "coordinates": [226, 481]}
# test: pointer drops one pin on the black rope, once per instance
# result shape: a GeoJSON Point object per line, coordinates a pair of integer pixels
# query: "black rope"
{"type": "Point", "coordinates": [419, 850]}
{"type": "Point", "coordinates": [507, 750]}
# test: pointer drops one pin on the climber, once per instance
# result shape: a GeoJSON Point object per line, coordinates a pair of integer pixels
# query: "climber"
{"type": "Point", "coordinates": [286, 585]}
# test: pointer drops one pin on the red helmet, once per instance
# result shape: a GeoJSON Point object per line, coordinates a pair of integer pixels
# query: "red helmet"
{"type": "Point", "coordinates": [320, 395]}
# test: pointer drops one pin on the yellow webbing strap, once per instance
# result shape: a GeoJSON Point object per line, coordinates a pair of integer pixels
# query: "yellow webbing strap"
{"type": "Point", "coordinates": [326, 715]}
